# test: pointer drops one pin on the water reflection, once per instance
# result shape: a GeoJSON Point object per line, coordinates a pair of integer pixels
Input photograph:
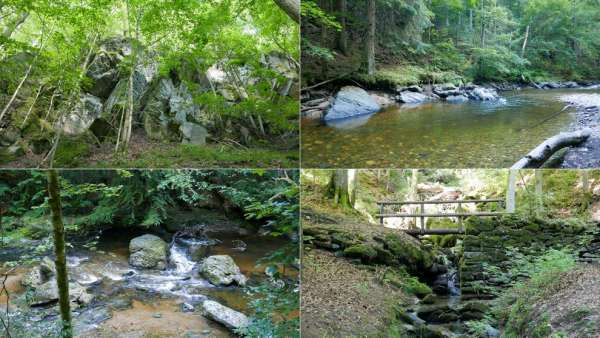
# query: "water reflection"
{"type": "Point", "coordinates": [439, 134]}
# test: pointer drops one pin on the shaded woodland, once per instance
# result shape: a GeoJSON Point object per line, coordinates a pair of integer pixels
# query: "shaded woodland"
{"type": "Point", "coordinates": [148, 83]}
{"type": "Point", "coordinates": [520, 261]}
{"type": "Point", "coordinates": [152, 253]}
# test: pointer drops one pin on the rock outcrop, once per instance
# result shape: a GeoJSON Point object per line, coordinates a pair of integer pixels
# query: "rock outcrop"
{"type": "Point", "coordinates": [148, 252]}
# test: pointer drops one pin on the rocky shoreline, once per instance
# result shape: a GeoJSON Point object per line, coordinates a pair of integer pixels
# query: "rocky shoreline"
{"type": "Point", "coordinates": [351, 101]}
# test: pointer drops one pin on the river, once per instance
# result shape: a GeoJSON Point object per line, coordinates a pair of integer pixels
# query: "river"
{"type": "Point", "coordinates": [132, 302]}
{"type": "Point", "coordinates": [439, 134]}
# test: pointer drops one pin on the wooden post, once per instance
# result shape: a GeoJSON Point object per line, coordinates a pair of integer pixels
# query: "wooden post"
{"type": "Point", "coordinates": [422, 217]}
{"type": "Point", "coordinates": [510, 195]}
{"type": "Point", "coordinates": [460, 219]}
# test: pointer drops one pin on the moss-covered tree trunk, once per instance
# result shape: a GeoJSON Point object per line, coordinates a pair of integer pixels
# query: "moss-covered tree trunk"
{"type": "Point", "coordinates": [342, 187]}
{"type": "Point", "coordinates": [62, 279]}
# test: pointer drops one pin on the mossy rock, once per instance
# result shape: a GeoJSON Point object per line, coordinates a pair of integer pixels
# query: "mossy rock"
{"type": "Point", "coordinates": [409, 284]}
{"type": "Point", "coordinates": [344, 239]}
{"type": "Point", "coordinates": [71, 151]}
{"type": "Point", "coordinates": [363, 251]}
{"type": "Point", "coordinates": [415, 258]}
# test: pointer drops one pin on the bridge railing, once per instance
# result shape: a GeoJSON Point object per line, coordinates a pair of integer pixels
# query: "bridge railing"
{"type": "Point", "coordinates": [421, 214]}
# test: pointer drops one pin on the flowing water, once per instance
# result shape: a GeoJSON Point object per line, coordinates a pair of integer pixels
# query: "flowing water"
{"type": "Point", "coordinates": [440, 134]}
{"type": "Point", "coordinates": [151, 301]}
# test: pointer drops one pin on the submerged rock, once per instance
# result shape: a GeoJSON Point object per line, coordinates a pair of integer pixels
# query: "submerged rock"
{"type": "Point", "coordinates": [457, 99]}
{"type": "Point", "coordinates": [222, 270]}
{"type": "Point", "coordinates": [230, 318]}
{"type": "Point", "coordinates": [148, 252]}
{"type": "Point", "coordinates": [351, 101]}
{"type": "Point", "coordinates": [483, 94]}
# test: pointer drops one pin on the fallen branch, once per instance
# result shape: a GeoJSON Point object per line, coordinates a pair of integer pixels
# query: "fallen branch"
{"type": "Point", "coordinates": [544, 151]}
{"type": "Point", "coordinates": [325, 82]}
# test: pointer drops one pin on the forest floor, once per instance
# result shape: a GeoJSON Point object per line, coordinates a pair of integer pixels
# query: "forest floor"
{"type": "Point", "coordinates": [146, 153]}
{"type": "Point", "coordinates": [340, 298]}
{"type": "Point", "coordinates": [574, 306]}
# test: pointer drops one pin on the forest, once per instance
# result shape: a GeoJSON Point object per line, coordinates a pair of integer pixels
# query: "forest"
{"type": "Point", "coordinates": [450, 253]}
{"type": "Point", "coordinates": [180, 253]}
{"type": "Point", "coordinates": [434, 77]}
{"type": "Point", "coordinates": [138, 83]}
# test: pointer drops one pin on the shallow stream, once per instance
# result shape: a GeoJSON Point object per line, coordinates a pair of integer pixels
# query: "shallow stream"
{"type": "Point", "coordinates": [440, 134]}
{"type": "Point", "coordinates": [132, 302]}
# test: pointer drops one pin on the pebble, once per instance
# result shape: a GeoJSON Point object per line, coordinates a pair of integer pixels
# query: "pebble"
{"type": "Point", "coordinates": [157, 315]}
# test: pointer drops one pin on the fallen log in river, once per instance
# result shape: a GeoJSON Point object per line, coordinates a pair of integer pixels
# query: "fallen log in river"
{"type": "Point", "coordinates": [538, 156]}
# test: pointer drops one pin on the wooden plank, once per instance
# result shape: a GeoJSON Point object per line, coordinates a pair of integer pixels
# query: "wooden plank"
{"type": "Point", "coordinates": [444, 215]}
{"type": "Point", "coordinates": [440, 202]}
{"type": "Point", "coordinates": [433, 231]}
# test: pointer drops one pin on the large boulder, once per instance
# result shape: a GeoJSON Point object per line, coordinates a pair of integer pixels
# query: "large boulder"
{"type": "Point", "coordinates": [230, 318]}
{"type": "Point", "coordinates": [48, 293]}
{"type": "Point", "coordinates": [118, 100]}
{"type": "Point", "coordinates": [148, 252]}
{"type": "Point", "coordinates": [350, 102]}
{"type": "Point", "coordinates": [39, 274]}
{"type": "Point", "coordinates": [222, 270]}
{"type": "Point", "coordinates": [103, 71]}
{"type": "Point", "coordinates": [81, 118]}
{"type": "Point", "coordinates": [193, 133]}
{"type": "Point", "coordinates": [170, 113]}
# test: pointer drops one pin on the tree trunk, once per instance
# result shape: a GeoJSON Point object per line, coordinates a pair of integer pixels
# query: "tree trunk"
{"type": "Point", "coordinates": [511, 191]}
{"type": "Point", "coordinates": [538, 156]}
{"type": "Point", "coordinates": [343, 35]}
{"type": "Point", "coordinates": [291, 8]}
{"type": "Point", "coordinates": [343, 187]}
{"type": "Point", "coordinates": [482, 18]}
{"type": "Point", "coordinates": [525, 41]}
{"type": "Point", "coordinates": [539, 192]}
{"type": "Point", "coordinates": [62, 279]}
{"type": "Point", "coordinates": [128, 119]}
{"type": "Point", "coordinates": [371, 38]}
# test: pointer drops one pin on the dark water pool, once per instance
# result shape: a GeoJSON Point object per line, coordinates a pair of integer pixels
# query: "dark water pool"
{"type": "Point", "coordinates": [439, 134]}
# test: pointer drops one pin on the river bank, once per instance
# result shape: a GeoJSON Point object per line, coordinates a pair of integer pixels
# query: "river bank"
{"type": "Point", "coordinates": [456, 133]}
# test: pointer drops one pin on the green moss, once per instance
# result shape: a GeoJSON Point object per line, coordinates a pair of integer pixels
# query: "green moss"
{"type": "Point", "coordinates": [71, 152]}
{"type": "Point", "coordinates": [362, 251]}
{"type": "Point", "coordinates": [409, 284]}
{"type": "Point", "coordinates": [409, 254]}
{"type": "Point", "coordinates": [405, 75]}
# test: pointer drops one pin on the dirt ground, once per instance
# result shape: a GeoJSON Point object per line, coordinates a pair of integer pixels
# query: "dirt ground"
{"type": "Point", "coordinates": [574, 306]}
{"type": "Point", "coordinates": [340, 298]}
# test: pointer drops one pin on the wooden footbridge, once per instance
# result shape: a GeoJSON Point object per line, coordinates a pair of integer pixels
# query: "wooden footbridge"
{"type": "Point", "coordinates": [421, 214]}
